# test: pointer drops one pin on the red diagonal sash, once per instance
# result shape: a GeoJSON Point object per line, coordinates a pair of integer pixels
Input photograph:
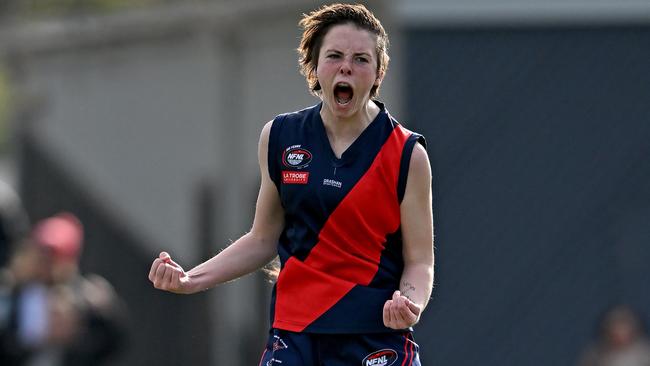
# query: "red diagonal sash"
{"type": "Point", "coordinates": [349, 245]}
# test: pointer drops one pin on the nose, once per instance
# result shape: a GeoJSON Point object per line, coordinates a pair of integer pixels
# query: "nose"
{"type": "Point", "coordinates": [346, 68]}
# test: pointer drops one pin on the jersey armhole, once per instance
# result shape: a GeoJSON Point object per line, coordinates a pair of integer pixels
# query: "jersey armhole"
{"type": "Point", "coordinates": [406, 162]}
{"type": "Point", "coordinates": [272, 153]}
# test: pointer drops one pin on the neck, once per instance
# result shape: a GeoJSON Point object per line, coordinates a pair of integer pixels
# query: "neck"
{"type": "Point", "coordinates": [352, 125]}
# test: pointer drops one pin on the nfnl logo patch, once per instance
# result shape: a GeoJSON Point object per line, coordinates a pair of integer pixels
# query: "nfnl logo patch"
{"type": "Point", "coordinates": [385, 357]}
{"type": "Point", "coordinates": [289, 177]}
{"type": "Point", "coordinates": [296, 157]}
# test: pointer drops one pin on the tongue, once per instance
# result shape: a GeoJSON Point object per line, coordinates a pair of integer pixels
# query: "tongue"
{"type": "Point", "coordinates": [343, 95]}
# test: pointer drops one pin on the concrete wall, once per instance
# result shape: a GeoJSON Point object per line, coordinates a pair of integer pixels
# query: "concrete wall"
{"type": "Point", "coordinates": [146, 109]}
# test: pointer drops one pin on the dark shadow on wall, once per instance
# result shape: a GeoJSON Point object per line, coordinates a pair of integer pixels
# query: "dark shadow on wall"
{"type": "Point", "coordinates": [539, 140]}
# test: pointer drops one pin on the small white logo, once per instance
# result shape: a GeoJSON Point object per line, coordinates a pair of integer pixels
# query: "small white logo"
{"type": "Point", "coordinates": [332, 183]}
{"type": "Point", "coordinates": [278, 344]}
{"type": "Point", "coordinates": [296, 157]}
{"type": "Point", "coordinates": [384, 357]}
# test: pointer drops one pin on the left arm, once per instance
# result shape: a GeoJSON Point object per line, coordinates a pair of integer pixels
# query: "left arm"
{"type": "Point", "coordinates": [404, 309]}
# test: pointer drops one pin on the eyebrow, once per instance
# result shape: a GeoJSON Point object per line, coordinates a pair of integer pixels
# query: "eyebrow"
{"type": "Point", "coordinates": [355, 54]}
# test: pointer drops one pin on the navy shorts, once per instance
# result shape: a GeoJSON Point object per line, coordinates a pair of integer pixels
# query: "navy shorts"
{"type": "Point", "coordinates": [286, 348]}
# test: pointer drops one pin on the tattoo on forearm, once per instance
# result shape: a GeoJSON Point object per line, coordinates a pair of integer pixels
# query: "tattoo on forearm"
{"type": "Point", "coordinates": [407, 289]}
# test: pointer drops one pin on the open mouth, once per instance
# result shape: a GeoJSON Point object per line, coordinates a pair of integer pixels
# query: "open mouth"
{"type": "Point", "coordinates": [343, 93]}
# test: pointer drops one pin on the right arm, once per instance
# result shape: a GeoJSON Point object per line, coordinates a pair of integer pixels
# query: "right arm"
{"type": "Point", "coordinates": [247, 254]}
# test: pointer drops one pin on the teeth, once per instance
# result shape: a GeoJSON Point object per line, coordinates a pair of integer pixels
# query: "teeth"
{"type": "Point", "coordinates": [341, 102]}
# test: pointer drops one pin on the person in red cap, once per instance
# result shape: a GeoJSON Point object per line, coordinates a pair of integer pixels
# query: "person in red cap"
{"type": "Point", "coordinates": [62, 238]}
{"type": "Point", "coordinates": [53, 306]}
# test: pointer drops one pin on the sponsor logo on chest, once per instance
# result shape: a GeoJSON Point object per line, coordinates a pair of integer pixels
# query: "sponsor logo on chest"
{"type": "Point", "coordinates": [289, 177]}
{"type": "Point", "coordinates": [332, 183]}
{"type": "Point", "coordinates": [296, 157]}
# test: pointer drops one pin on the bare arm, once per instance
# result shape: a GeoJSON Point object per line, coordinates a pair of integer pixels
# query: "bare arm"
{"type": "Point", "coordinates": [404, 309]}
{"type": "Point", "coordinates": [247, 254]}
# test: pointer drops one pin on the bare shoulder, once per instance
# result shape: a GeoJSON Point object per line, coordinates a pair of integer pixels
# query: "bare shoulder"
{"type": "Point", "coordinates": [262, 148]}
{"type": "Point", "coordinates": [266, 131]}
{"type": "Point", "coordinates": [419, 164]}
{"type": "Point", "coordinates": [264, 139]}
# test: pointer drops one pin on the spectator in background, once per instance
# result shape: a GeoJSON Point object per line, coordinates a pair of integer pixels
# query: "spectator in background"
{"type": "Point", "coordinates": [53, 315]}
{"type": "Point", "coordinates": [622, 341]}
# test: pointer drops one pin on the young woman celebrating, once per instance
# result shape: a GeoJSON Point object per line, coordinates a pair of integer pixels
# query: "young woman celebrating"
{"type": "Point", "coordinates": [345, 201]}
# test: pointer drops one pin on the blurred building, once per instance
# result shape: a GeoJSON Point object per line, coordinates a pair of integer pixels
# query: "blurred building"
{"type": "Point", "coordinates": [146, 123]}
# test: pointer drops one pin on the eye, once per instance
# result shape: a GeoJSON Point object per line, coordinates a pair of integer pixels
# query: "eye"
{"type": "Point", "coordinates": [333, 55]}
{"type": "Point", "coordinates": [362, 59]}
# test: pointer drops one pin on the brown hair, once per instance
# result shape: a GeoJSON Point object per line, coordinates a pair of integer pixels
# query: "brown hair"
{"type": "Point", "coordinates": [315, 26]}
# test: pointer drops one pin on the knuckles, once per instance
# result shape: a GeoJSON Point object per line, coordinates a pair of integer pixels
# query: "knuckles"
{"type": "Point", "coordinates": [399, 307]}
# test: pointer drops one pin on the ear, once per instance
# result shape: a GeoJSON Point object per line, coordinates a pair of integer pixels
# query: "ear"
{"type": "Point", "coordinates": [379, 79]}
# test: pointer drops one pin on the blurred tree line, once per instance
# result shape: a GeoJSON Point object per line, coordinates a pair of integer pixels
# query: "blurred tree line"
{"type": "Point", "coordinates": [46, 8]}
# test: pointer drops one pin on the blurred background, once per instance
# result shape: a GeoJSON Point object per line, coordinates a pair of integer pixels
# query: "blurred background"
{"type": "Point", "coordinates": [142, 119]}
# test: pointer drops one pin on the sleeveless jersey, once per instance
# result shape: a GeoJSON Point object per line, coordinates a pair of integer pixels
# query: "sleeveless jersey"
{"type": "Point", "coordinates": [341, 247]}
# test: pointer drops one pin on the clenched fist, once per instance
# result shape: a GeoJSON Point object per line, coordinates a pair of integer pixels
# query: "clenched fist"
{"type": "Point", "coordinates": [167, 275]}
{"type": "Point", "coordinates": [400, 312]}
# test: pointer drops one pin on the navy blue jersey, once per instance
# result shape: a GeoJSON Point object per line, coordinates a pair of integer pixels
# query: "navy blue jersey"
{"type": "Point", "coordinates": [341, 247]}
